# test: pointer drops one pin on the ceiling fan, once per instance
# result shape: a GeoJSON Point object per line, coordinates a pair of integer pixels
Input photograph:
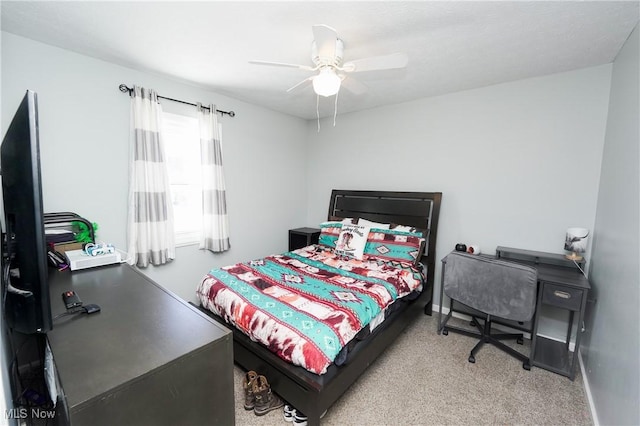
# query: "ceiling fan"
{"type": "Point", "coordinates": [329, 70]}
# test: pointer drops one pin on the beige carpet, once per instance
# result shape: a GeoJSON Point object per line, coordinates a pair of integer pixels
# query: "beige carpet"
{"type": "Point", "coordinates": [425, 379]}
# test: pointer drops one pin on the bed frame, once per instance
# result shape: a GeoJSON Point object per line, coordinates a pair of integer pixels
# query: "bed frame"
{"type": "Point", "coordinates": [313, 394]}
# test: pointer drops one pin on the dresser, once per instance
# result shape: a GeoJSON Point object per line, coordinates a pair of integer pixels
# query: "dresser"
{"type": "Point", "coordinates": [146, 358]}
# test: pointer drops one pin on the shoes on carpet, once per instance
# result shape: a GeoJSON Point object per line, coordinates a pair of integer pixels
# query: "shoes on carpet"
{"type": "Point", "coordinates": [288, 413]}
{"type": "Point", "coordinates": [299, 419]}
{"type": "Point", "coordinates": [264, 399]}
{"type": "Point", "coordinates": [247, 385]}
{"type": "Point", "coordinates": [296, 417]}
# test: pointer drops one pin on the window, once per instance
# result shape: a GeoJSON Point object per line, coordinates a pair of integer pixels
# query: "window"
{"type": "Point", "coordinates": [182, 145]}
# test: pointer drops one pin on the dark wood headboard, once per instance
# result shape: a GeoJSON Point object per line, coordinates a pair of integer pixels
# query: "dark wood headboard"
{"type": "Point", "coordinates": [418, 209]}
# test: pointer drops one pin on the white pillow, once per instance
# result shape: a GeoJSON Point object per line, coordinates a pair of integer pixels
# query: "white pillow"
{"type": "Point", "coordinates": [352, 240]}
{"type": "Point", "coordinates": [371, 224]}
{"type": "Point", "coordinates": [405, 228]}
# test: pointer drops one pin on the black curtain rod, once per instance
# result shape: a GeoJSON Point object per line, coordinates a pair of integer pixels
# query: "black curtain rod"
{"type": "Point", "coordinates": [124, 89]}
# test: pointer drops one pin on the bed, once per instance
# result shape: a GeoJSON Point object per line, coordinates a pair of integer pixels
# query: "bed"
{"type": "Point", "coordinates": [314, 385]}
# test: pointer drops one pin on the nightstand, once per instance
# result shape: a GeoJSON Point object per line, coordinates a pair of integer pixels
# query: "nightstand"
{"type": "Point", "coordinates": [302, 237]}
{"type": "Point", "coordinates": [561, 287]}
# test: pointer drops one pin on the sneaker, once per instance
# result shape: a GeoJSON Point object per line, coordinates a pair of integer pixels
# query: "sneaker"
{"type": "Point", "coordinates": [299, 419]}
{"type": "Point", "coordinates": [265, 400]}
{"type": "Point", "coordinates": [289, 413]}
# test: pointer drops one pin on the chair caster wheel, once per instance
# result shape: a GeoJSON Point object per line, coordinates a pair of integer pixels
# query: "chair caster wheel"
{"type": "Point", "coordinates": [472, 359]}
{"type": "Point", "coordinates": [445, 332]}
{"type": "Point", "coordinates": [526, 366]}
{"type": "Point", "coordinates": [520, 341]}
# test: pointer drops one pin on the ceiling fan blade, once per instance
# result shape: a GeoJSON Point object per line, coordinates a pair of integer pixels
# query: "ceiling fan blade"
{"type": "Point", "coordinates": [386, 62]}
{"type": "Point", "coordinates": [282, 64]}
{"type": "Point", "coordinates": [354, 86]}
{"type": "Point", "coordinates": [325, 38]}
{"type": "Point", "coordinates": [306, 80]}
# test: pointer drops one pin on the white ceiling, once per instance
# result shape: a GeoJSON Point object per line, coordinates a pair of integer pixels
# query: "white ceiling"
{"type": "Point", "coordinates": [451, 45]}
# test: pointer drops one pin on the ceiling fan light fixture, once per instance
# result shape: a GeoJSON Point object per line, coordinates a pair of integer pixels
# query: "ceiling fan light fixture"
{"type": "Point", "coordinates": [327, 82]}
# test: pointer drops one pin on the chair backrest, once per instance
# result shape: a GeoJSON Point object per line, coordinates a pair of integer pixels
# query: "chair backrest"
{"type": "Point", "coordinates": [493, 286]}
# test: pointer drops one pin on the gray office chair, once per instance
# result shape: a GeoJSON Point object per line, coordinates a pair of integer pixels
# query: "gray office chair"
{"type": "Point", "coordinates": [494, 287]}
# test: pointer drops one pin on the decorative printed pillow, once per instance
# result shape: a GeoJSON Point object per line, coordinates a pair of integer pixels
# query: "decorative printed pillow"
{"type": "Point", "coordinates": [329, 233]}
{"type": "Point", "coordinates": [352, 240]}
{"type": "Point", "coordinates": [398, 246]}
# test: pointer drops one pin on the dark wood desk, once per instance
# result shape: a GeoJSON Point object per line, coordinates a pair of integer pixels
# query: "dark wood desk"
{"type": "Point", "coordinates": [146, 358]}
{"type": "Point", "coordinates": [562, 286]}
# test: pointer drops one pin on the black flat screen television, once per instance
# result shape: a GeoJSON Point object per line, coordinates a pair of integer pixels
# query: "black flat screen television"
{"type": "Point", "coordinates": [25, 289]}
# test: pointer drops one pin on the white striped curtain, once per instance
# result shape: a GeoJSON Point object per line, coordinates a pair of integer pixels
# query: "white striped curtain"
{"type": "Point", "coordinates": [215, 222]}
{"type": "Point", "coordinates": [150, 222]}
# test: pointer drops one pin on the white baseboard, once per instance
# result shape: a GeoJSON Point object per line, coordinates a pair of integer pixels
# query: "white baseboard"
{"type": "Point", "coordinates": [587, 390]}
{"type": "Point", "coordinates": [585, 380]}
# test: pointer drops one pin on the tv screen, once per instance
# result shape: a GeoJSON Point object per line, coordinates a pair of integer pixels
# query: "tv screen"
{"type": "Point", "coordinates": [26, 302]}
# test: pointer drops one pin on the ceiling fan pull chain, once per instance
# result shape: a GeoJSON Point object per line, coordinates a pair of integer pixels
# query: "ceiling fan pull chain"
{"type": "Point", "coordinates": [335, 109]}
{"type": "Point", "coordinates": [318, 111]}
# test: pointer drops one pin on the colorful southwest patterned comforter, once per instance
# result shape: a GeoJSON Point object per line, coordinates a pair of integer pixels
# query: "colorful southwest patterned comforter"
{"type": "Point", "coordinates": [306, 305]}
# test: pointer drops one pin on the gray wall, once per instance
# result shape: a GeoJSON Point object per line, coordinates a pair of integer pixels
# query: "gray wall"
{"type": "Point", "coordinates": [84, 141]}
{"type": "Point", "coordinates": [611, 351]}
{"type": "Point", "coordinates": [517, 163]}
